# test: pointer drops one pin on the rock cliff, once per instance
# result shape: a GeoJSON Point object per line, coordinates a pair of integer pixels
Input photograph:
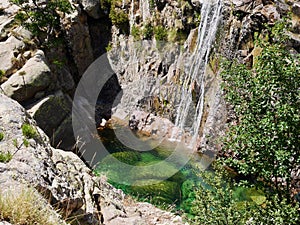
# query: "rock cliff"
{"type": "Point", "coordinates": [62, 178]}
{"type": "Point", "coordinates": [43, 81]}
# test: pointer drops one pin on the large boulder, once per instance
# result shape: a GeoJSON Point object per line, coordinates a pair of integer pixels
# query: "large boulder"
{"type": "Point", "coordinates": [53, 115]}
{"type": "Point", "coordinates": [32, 78]}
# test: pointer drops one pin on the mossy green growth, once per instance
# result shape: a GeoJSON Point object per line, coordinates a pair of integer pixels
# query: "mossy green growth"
{"type": "Point", "coordinates": [164, 172]}
{"type": "Point", "coordinates": [29, 131]}
{"type": "Point", "coordinates": [26, 142]}
{"type": "Point", "coordinates": [5, 157]}
{"type": "Point", "coordinates": [165, 191]}
{"type": "Point", "coordinates": [128, 157]}
{"type": "Point", "coordinates": [1, 136]}
{"type": "Point", "coordinates": [136, 33]}
{"type": "Point", "coordinates": [148, 31]}
{"type": "Point", "coordinates": [160, 33]}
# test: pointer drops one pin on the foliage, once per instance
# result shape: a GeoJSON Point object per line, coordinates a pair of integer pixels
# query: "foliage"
{"type": "Point", "coordinates": [1, 136]}
{"type": "Point", "coordinates": [29, 131]}
{"type": "Point", "coordinates": [119, 17]}
{"type": "Point", "coordinates": [265, 142]}
{"type": "Point", "coordinates": [26, 142]}
{"type": "Point", "coordinates": [214, 201]}
{"type": "Point", "coordinates": [219, 201]}
{"type": "Point", "coordinates": [26, 207]}
{"type": "Point", "coordinates": [42, 18]}
{"type": "Point", "coordinates": [160, 33]}
{"type": "Point", "coordinates": [135, 32]}
{"type": "Point", "coordinates": [2, 73]}
{"type": "Point", "coordinates": [148, 31]}
{"type": "Point", "coordinates": [5, 157]}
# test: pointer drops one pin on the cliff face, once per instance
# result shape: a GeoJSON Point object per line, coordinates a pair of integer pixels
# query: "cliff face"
{"type": "Point", "coordinates": [150, 48]}
{"type": "Point", "coordinates": [149, 52]}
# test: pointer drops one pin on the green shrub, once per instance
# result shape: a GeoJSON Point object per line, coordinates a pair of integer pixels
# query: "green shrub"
{"type": "Point", "coordinates": [1, 136]}
{"type": "Point", "coordinates": [25, 142]}
{"type": "Point", "coordinates": [219, 201]}
{"type": "Point", "coordinates": [266, 102]}
{"type": "Point", "coordinates": [5, 157]}
{"type": "Point", "coordinates": [29, 131]}
{"type": "Point", "coordinates": [42, 21]}
{"type": "Point", "coordinates": [135, 32]}
{"type": "Point", "coordinates": [119, 18]}
{"type": "Point", "coordinates": [148, 31]}
{"type": "Point", "coordinates": [160, 33]}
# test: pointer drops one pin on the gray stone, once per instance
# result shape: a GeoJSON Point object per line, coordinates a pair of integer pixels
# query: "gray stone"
{"type": "Point", "coordinates": [50, 112]}
{"type": "Point", "coordinates": [5, 223]}
{"type": "Point", "coordinates": [32, 78]}
{"type": "Point", "coordinates": [9, 49]}
{"type": "Point", "coordinates": [296, 8]}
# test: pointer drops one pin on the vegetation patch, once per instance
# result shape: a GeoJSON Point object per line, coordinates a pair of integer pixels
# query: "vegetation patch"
{"type": "Point", "coordinates": [1, 136]}
{"type": "Point", "coordinates": [26, 207]}
{"type": "Point", "coordinates": [5, 157]}
{"type": "Point", "coordinates": [29, 131]}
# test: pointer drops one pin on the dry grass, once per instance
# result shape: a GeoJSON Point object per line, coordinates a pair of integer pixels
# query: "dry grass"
{"type": "Point", "coordinates": [26, 207]}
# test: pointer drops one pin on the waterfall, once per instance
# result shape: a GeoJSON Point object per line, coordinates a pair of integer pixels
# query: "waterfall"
{"type": "Point", "coordinates": [131, 14]}
{"type": "Point", "coordinates": [210, 15]}
{"type": "Point", "coordinates": [145, 10]}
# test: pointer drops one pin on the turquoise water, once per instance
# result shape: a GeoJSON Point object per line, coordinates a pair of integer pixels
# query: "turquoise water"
{"type": "Point", "coordinates": [154, 186]}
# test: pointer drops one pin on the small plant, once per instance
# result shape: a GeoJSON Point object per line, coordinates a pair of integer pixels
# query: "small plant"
{"type": "Point", "coordinates": [160, 33]}
{"type": "Point", "coordinates": [26, 142]}
{"type": "Point", "coordinates": [135, 32]}
{"type": "Point", "coordinates": [5, 157]}
{"type": "Point", "coordinates": [1, 136]}
{"type": "Point", "coordinates": [15, 143]}
{"type": "Point", "coordinates": [26, 207]}
{"type": "Point", "coordinates": [148, 31]}
{"type": "Point", "coordinates": [108, 47]}
{"type": "Point", "coordinates": [119, 18]}
{"type": "Point", "coordinates": [28, 131]}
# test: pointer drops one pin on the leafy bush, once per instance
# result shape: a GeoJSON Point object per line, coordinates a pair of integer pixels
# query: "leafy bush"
{"type": "Point", "coordinates": [148, 31]}
{"type": "Point", "coordinates": [1, 136]}
{"type": "Point", "coordinates": [119, 17]}
{"type": "Point", "coordinates": [28, 131]}
{"type": "Point", "coordinates": [5, 157]}
{"type": "Point", "coordinates": [26, 207]}
{"type": "Point", "coordinates": [265, 142]}
{"type": "Point", "coordinates": [219, 201]}
{"type": "Point", "coordinates": [42, 18]}
{"type": "Point", "coordinates": [160, 33]}
{"type": "Point", "coordinates": [135, 32]}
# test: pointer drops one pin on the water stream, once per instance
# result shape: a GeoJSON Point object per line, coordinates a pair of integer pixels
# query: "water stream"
{"type": "Point", "coordinates": [210, 16]}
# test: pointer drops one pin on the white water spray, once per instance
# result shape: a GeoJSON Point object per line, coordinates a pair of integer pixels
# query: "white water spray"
{"type": "Point", "coordinates": [210, 16]}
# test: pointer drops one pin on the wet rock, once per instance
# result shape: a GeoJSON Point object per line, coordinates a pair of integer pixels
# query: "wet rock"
{"type": "Point", "coordinates": [32, 78]}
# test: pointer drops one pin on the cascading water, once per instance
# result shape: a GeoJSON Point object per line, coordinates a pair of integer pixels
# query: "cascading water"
{"type": "Point", "coordinates": [145, 10]}
{"type": "Point", "coordinates": [210, 16]}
